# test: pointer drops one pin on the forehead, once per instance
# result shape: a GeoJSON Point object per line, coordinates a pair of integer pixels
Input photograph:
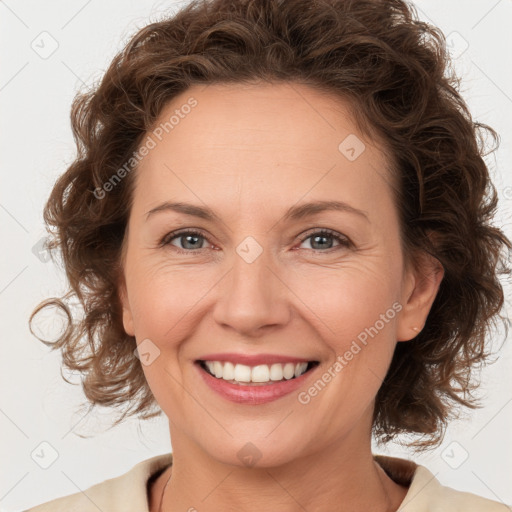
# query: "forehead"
{"type": "Point", "coordinates": [244, 144]}
{"type": "Point", "coordinates": [252, 114]}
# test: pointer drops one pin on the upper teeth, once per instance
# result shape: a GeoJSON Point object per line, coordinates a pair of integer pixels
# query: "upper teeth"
{"type": "Point", "coordinates": [260, 373]}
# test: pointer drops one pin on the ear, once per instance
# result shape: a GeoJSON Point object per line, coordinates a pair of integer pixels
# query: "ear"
{"type": "Point", "coordinates": [127, 312]}
{"type": "Point", "coordinates": [420, 287]}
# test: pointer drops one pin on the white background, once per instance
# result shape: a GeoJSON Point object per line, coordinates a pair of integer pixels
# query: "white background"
{"type": "Point", "coordinates": [36, 405]}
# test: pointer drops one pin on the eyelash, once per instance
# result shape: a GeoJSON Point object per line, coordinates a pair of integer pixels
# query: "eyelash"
{"type": "Point", "coordinates": [343, 241]}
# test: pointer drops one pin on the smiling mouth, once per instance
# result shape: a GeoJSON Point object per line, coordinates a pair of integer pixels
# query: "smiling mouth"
{"type": "Point", "coordinates": [259, 375]}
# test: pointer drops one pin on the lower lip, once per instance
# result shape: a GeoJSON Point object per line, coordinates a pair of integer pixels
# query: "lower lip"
{"type": "Point", "coordinates": [253, 395]}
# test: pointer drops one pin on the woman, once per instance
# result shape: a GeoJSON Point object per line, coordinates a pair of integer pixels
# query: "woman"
{"type": "Point", "coordinates": [279, 226]}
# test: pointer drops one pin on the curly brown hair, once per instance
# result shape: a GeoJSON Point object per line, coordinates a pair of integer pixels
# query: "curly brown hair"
{"type": "Point", "coordinates": [396, 73]}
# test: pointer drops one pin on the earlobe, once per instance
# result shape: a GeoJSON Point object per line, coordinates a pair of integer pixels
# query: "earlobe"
{"type": "Point", "coordinates": [419, 293]}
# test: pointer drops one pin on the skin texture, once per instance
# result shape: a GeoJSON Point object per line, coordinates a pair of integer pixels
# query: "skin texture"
{"type": "Point", "coordinates": [249, 152]}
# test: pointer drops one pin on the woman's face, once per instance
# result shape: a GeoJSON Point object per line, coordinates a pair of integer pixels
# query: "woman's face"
{"type": "Point", "coordinates": [259, 278]}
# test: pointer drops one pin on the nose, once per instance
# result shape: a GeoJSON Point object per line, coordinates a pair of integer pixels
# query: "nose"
{"type": "Point", "coordinates": [252, 298]}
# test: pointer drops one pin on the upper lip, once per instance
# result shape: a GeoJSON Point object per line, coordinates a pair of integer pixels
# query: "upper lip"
{"type": "Point", "coordinates": [253, 360]}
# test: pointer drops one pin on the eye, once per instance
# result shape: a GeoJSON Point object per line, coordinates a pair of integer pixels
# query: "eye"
{"type": "Point", "coordinates": [190, 240]}
{"type": "Point", "coordinates": [323, 240]}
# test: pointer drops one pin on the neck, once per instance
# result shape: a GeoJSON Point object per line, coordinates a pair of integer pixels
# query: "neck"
{"type": "Point", "coordinates": [343, 473]}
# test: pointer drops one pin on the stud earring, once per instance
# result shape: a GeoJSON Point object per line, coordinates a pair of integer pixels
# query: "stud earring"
{"type": "Point", "coordinates": [415, 329]}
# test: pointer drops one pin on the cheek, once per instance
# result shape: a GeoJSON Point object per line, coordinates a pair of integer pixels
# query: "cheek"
{"type": "Point", "coordinates": [348, 299]}
{"type": "Point", "coordinates": [355, 312]}
{"type": "Point", "coordinates": [358, 314]}
{"type": "Point", "coordinates": [164, 299]}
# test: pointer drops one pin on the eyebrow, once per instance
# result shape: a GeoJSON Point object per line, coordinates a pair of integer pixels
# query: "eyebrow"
{"type": "Point", "coordinates": [293, 213]}
{"type": "Point", "coordinates": [203, 212]}
{"type": "Point", "coordinates": [314, 207]}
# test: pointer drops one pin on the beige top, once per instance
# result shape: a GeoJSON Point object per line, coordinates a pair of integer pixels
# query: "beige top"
{"type": "Point", "coordinates": [128, 492]}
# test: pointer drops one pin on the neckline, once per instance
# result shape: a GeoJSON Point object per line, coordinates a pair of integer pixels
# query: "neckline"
{"type": "Point", "coordinates": [400, 470]}
{"type": "Point", "coordinates": [154, 477]}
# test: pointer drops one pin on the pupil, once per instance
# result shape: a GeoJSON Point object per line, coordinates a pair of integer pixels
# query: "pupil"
{"type": "Point", "coordinates": [322, 237]}
{"type": "Point", "coordinates": [188, 237]}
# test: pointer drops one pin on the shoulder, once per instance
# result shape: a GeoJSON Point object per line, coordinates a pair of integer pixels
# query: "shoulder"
{"type": "Point", "coordinates": [427, 494]}
{"type": "Point", "coordinates": [427, 489]}
{"type": "Point", "coordinates": [125, 493]}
